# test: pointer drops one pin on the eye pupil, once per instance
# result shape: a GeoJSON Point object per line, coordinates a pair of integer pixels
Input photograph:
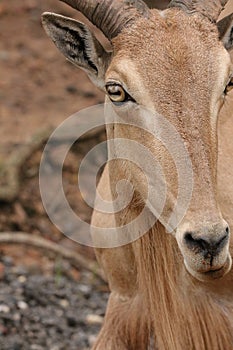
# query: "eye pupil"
{"type": "Point", "coordinates": [116, 93]}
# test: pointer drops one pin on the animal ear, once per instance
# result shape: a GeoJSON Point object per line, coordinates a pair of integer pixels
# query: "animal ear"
{"type": "Point", "coordinates": [78, 45]}
{"type": "Point", "coordinates": [225, 27]}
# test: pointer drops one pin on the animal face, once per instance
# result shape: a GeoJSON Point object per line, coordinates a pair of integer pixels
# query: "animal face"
{"type": "Point", "coordinates": [177, 67]}
{"type": "Point", "coordinates": [172, 64]}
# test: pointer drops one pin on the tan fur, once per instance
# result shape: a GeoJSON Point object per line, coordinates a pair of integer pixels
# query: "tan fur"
{"type": "Point", "coordinates": [181, 67]}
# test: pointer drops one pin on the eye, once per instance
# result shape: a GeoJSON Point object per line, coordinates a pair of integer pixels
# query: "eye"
{"type": "Point", "coordinates": [229, 86]}
{"type": "Point", "coordinates": [117, 93]}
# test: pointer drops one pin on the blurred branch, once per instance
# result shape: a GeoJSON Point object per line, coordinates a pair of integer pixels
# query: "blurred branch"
{"type": "Point", "coordinates": [76, 259]}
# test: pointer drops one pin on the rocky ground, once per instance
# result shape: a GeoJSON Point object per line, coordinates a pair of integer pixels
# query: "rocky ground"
{"type": "Point", "coordinates": [52, 311]}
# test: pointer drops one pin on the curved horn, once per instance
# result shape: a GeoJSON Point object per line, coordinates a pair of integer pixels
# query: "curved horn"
{"type": "Point", "coordinates": [208, 8]}
{"type": "Point", "coordinates": [111, 16]}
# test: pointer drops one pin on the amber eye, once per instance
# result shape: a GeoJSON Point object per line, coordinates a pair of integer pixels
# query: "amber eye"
{"type": "Point", "coordinates": [117, 94]}
{"type": "Point", "coordinates": [229, 86]}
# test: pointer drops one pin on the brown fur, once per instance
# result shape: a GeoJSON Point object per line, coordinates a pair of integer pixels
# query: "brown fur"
{"type": "Point", "coordinates": [164, 300]}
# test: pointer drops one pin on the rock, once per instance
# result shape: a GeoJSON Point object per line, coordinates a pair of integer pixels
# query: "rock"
{"type": "Point", "coordinates": [36, 347]}
{"type": "Point", "coordinates": [16, 317]}
{"type": "Point", "coordinates": [4, 308]}
{"type": "Point", "coordinates": [94, 319]}
{"type": "Point", "coordinates": [39, 311]}
{"type": "Point", "coordinates": [22, 279]}
{"type": "Point", "coordinates": [84, 289]}
{"type": "Point", "coordinates": [55, 347]}
{"type": "Point", "coordinates": [51, 321]}
{"type": "Point", "coordinates": [22, 305]}
{"type": "Point", "coordinates": [64, 303]}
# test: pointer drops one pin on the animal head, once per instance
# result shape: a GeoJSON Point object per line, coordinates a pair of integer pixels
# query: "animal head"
{"type": "Point", "coordinates": [175, 63]}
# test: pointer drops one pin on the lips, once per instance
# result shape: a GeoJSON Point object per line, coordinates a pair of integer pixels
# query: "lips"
{"type": "Point", "coordinates": [211, 274]}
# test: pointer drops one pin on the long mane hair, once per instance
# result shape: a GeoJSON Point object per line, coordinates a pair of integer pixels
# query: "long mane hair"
{"type": "Point", "coordinates": [185, 313]}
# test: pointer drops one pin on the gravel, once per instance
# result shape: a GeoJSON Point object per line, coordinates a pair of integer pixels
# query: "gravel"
{"type": "Point", "coordinates": [54, 312]}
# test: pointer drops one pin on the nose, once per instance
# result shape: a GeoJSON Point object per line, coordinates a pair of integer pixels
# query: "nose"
{"type": "Point", "coordinates": [210, 242]}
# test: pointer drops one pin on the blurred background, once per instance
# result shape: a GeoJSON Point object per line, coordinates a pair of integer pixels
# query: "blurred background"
{"type": "Point", "coordinates": [52, 294]}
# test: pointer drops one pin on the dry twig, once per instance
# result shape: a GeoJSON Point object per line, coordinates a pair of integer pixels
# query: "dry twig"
{"type": "Point", "coordinates": [76, 259]}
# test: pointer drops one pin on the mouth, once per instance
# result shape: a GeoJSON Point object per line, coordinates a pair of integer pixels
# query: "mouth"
{"type": "Point", "coordinates": [211, 274]}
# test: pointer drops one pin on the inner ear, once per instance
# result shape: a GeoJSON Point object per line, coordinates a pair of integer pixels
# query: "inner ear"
{"type": "Point", "coordinates": [225, 27]}
{"type": "Point", "coordinates": [78, 45]}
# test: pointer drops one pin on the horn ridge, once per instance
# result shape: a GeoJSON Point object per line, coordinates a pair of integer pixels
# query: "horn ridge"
{"type": "Point", "coordinates": [111, 16]}
{"type": "Point", "coordinates": [208, 8]}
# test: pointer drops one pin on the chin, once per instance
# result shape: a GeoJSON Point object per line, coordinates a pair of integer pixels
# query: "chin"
{"type": "Point", "coordinates": [211, 274]}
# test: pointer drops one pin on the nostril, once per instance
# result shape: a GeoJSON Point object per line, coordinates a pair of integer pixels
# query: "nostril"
{"type": "Point", "coordinates": [193, 243]}
{"type": "Point", "coordinates": [209, 244]}
{"type": "Point", "coordinates": [188, 238]}
{"type": "Point", "coordinates": [227, 231]}
{"type": "Point", "coordinates": [223, 240]}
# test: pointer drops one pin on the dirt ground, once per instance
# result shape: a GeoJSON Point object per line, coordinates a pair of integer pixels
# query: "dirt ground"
{"type": "Point", "coordinates": [46, 301]}
{"type": "Point", "coordinates": [38, 90]}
